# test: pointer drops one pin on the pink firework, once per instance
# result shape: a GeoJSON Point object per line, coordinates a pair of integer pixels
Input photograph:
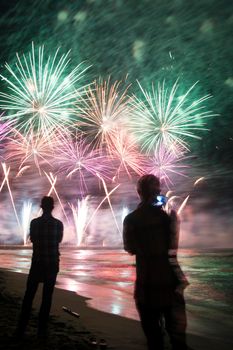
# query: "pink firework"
{"type": "Point", "coordinates": [30, 149]}
{"type": "Point", "coordinates": [102, 110]}
{"type": "Point", "coordinates": [125, 150]}
{"type": "Point", "coordinates": [75, 157]}
{"type": "Point", "coordinates": [5, 129]}
{"type": "Point", "coordinates": [166, 163]}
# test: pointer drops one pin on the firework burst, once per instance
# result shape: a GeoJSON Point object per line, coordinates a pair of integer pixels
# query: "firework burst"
{"type": "Point", "coordinates": [41, 91]}
{"type": "Point", "coordinates": [29, 149]}
{"type": "Point", "coordinates": [75, 156]}
{"type": "Point", "coordinates": [102, 110]}
{"type": "Point", "coordinates": [164, 118]}
{"type": "Point", "coordinates": [165, 164]}
{"type": "Point", "coordinates": [125, 150]}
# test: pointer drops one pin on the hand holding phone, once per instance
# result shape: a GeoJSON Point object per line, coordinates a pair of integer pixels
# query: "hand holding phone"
{"type": "Point", "coordinates": [160, 201]}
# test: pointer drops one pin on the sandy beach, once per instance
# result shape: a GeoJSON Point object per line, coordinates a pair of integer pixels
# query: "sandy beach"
{"type": "Point", "coordinates": [68, 332]}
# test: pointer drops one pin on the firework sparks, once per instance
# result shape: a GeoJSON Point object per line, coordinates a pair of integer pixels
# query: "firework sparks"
{"type": "Point", "coordinates": [26, 214]}
{"type": "Point", "coordinates": [80, 218]}
{"type": "Point", "coordinates": [124, 213]}
{"type": "Point", "coordinates": [41, 92]}
{"type": "Point", "coordinates": [101, 111]}
{"type": "Point", "coordinates": [164, 118]}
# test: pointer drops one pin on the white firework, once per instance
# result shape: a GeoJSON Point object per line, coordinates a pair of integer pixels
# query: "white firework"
{"type": "Point", "coordinates": [163, 117]}
{"type": "Point", "coordinates": [41, 90]}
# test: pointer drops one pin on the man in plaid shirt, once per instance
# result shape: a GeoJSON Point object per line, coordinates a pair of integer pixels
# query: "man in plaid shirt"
{"type": "Point", "coordinates": [150, 234]}
{"type": "Point", "coordinates": [46, 233]}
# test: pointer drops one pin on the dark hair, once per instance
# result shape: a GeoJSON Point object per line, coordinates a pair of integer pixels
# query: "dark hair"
{"type": "Point", "coordinates": [47, 203]}
{"type": "Point", "coordinates": [148, 185]}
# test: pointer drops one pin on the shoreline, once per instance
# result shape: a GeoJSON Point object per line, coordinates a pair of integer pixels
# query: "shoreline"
{"type": "Point", "coordinates": [96, 247]}
{"type": "Point", "coordinates": [120, 333]}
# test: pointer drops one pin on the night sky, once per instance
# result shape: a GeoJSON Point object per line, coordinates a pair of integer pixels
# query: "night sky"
{"type": "Point", "coordinates": [147, 40]}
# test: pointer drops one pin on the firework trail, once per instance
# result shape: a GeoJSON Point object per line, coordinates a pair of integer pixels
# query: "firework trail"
{"type": "Point", "coordinates": [124, 213]}
{"type": "Point", "coordinates": [5, 129]}
{"type": "Point", "coordinates": [110, 204]}
{"type": "Point", "coordinates": [6, 173]}
{"type": "Point", "coordinates": [22, 170]}
{"type": "Point", "coordinates": [6, 180]}
{"type": "Point", "coordinates": [163, 117]}
{"type": "Point", "coordinates": [172, 199]}
{"type": "Point", "coordinates": [183, 204]}
{"type": "Point", "coordinates": [53, 179]}
{"type": "Point", "coordinates": [199, 180]}
{"type": "Point", "coordinates": [102, 110]}
{"type": "Point", "coordinates": [41, 91]}
{"type": "Point", "coordinates": [108, 194]}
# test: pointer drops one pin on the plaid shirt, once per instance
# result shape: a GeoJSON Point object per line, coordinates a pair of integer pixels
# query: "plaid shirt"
{"type": "Point", "coordinates": [46, 233]}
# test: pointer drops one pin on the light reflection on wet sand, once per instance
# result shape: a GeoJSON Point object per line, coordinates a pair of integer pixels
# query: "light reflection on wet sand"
{"type": "Point", "coordinates": [106, 276]}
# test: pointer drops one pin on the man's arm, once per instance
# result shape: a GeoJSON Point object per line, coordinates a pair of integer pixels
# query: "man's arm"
{"type": "Point", "coordinates": [175, 231]}
{"type": "Point", "coordinates": [60, 231]}
{"type": "Point", "coordinates": [128, 237]}
{"type": "Point", "coordinates": [33, 231]}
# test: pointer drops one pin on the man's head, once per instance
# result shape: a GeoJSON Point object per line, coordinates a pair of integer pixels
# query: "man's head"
{"type": "Point", "coordinates": [47, 203]}
{"type": "Point", "coordinates": [148, 187]}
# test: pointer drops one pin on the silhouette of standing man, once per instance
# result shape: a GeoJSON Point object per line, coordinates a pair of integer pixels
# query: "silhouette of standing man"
{"type": "Point", "coordinates": [150, 234]}
{"type": "Point", "coordinates": [46, 233]}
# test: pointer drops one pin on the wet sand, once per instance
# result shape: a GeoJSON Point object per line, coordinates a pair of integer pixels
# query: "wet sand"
{"type": "Point", "coordinates": [68, 332]}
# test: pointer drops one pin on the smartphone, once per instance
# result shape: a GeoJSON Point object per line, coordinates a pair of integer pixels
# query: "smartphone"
{"type": "Point", "coordinates": [160, 201]}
